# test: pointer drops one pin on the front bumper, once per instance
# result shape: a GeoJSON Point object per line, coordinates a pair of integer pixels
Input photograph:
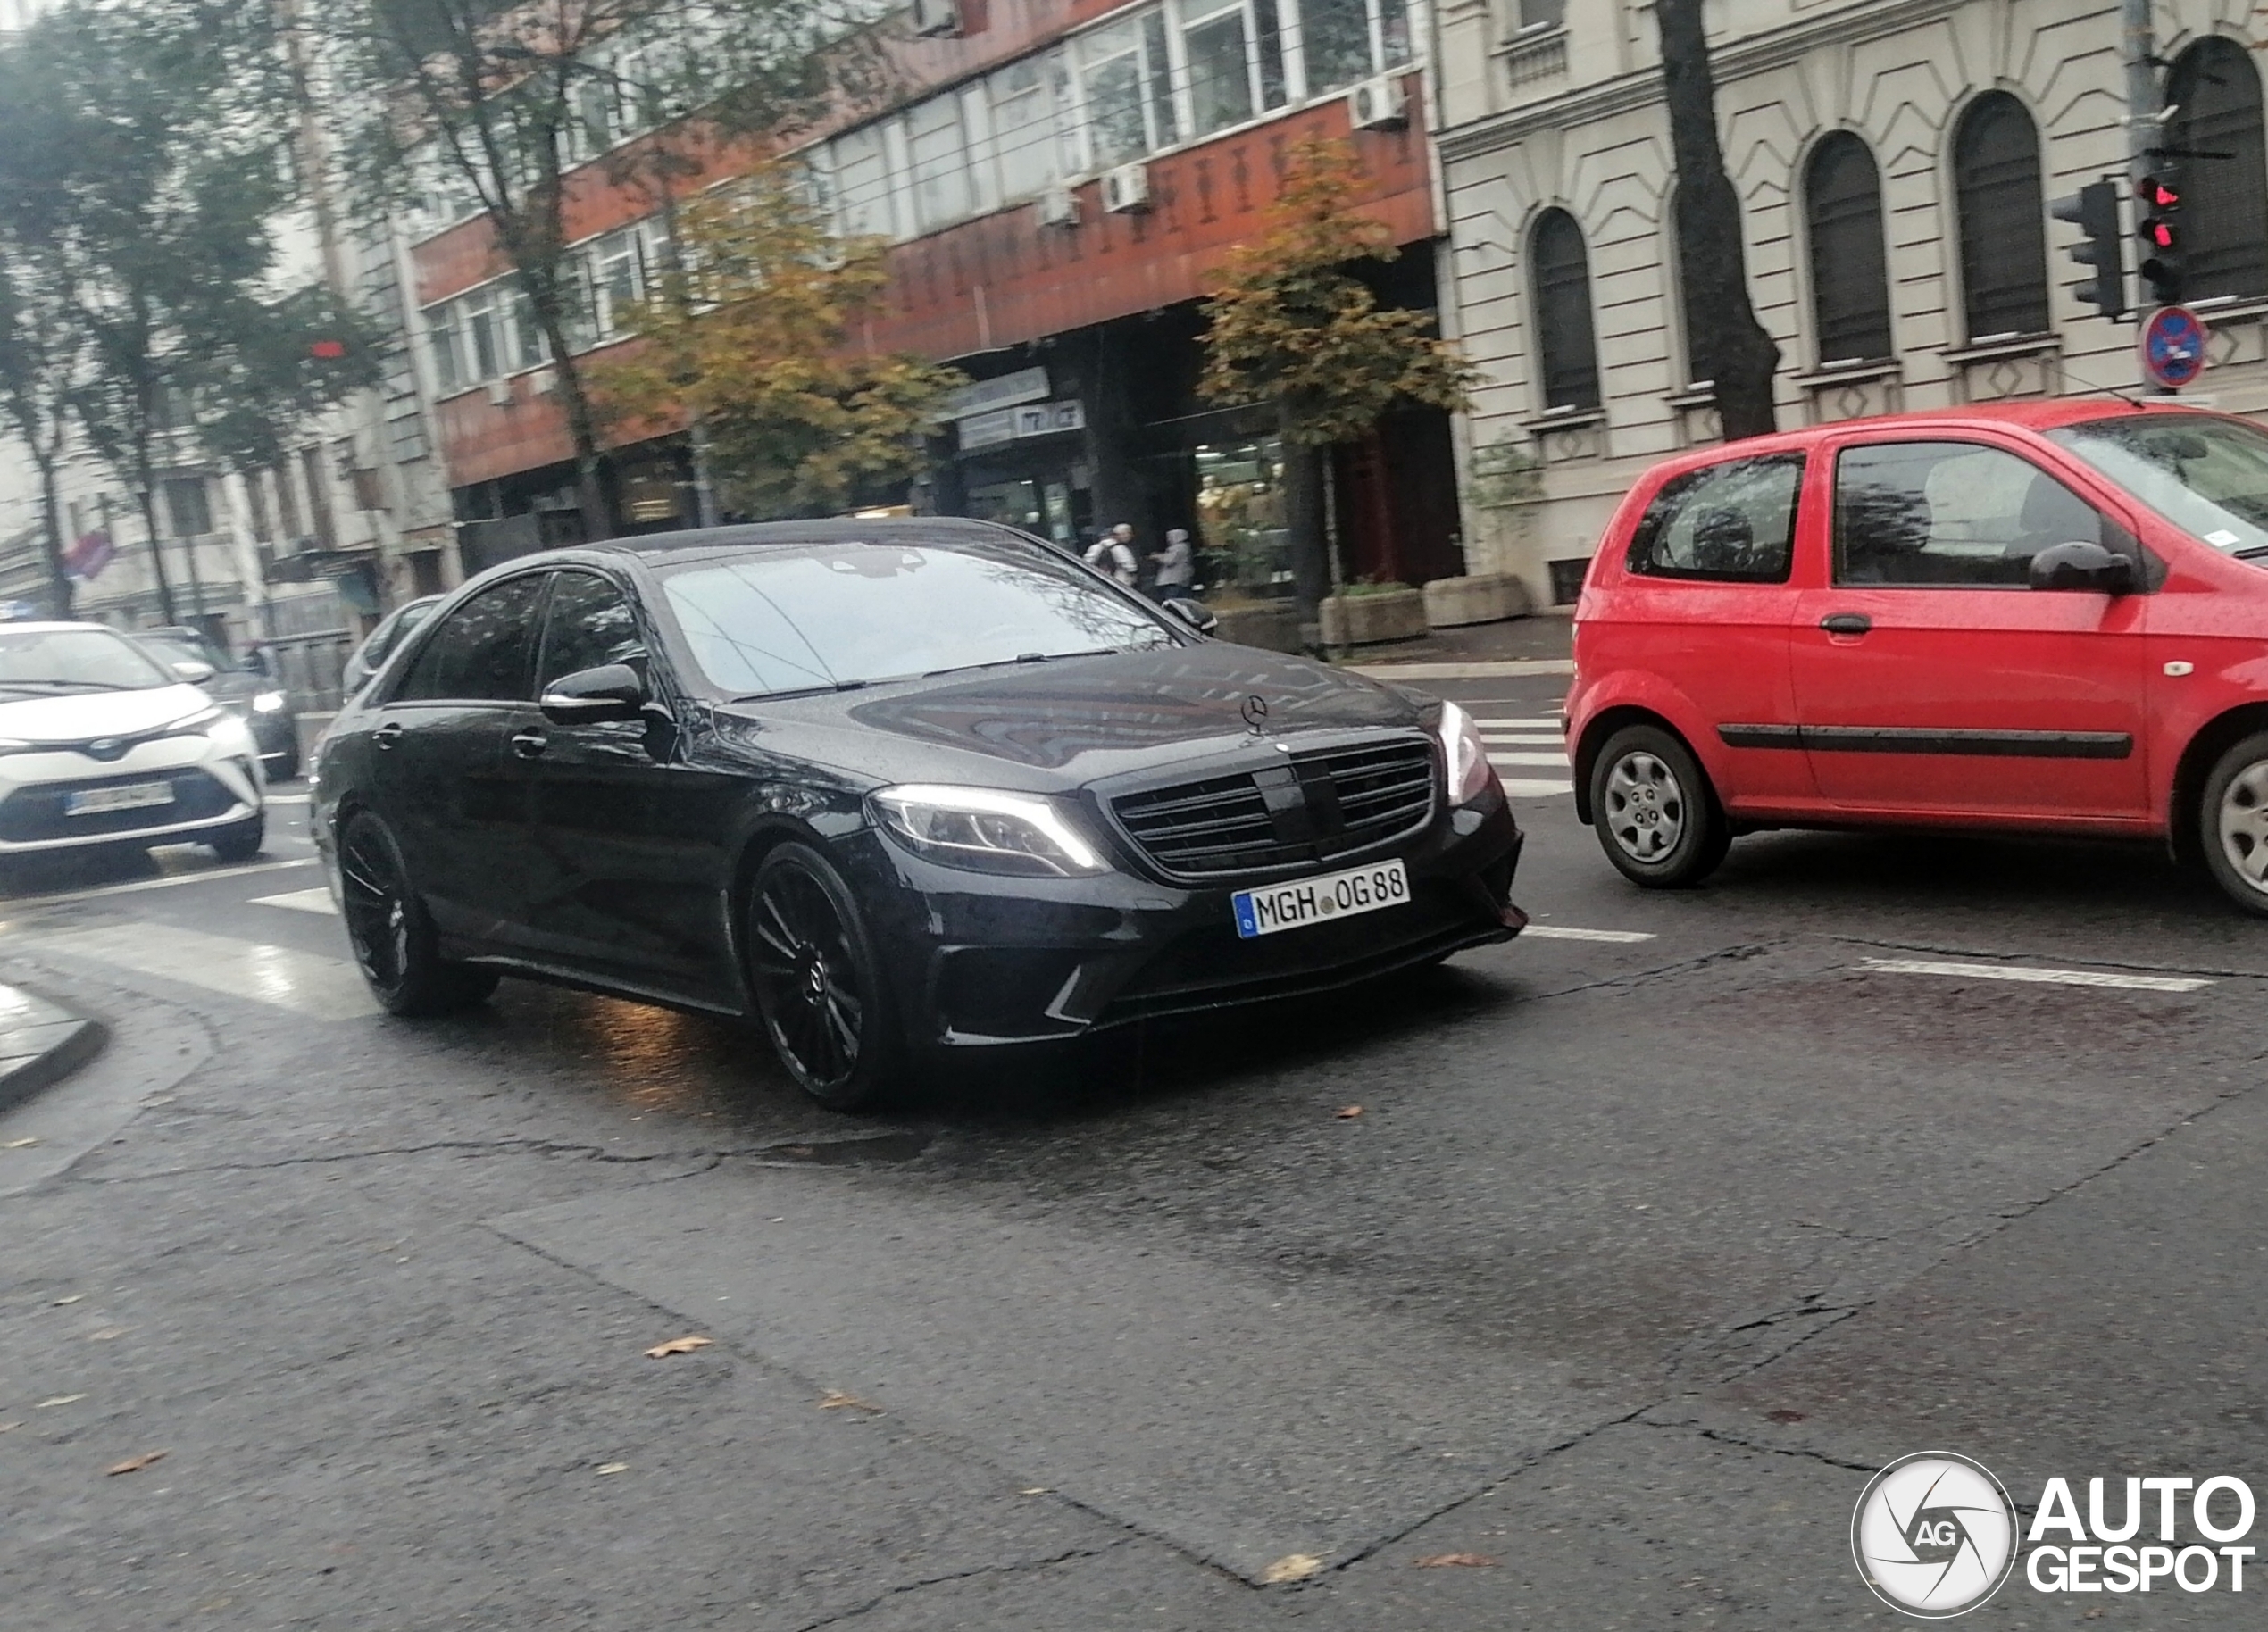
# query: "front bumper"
{"type": "Point", "coordinates": [978, 959]}
{"type": "Point", "coordinates": [215, 781]}
{"type": "Point", "coordinates": [277, 734]}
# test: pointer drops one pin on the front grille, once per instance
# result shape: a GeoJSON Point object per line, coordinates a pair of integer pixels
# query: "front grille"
{"type": "Point", "coordinates": [31, 814]}
{"type": "Point", "coordinates": [1312, 808]}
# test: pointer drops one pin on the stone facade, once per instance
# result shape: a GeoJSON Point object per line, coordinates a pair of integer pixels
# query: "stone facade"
{"type": "Point", "coordinates": [1567, 114]}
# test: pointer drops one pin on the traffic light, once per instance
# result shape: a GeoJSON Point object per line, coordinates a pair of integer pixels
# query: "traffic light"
{"type": "Point", "coordinates": [2159, 198]}
{"type": "Point", "coordinates": [2094, 208]}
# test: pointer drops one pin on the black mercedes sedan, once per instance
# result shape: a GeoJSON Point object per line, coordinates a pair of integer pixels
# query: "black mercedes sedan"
{"type": "Point", "coordinates": [891, 788]}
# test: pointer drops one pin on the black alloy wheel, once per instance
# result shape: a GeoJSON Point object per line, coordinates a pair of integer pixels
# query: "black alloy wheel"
{"type": "Point", "coordinates": [817, 983]}
{"type": "Point", "coordinates": [393, 939]}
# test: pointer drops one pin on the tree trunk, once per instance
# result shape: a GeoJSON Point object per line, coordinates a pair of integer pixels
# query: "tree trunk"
{"type": "Point", "coordinates": [1306, 468]}
{"type": "Point", "coordinates": [593, 494]}
{"type": "Point", "coordinates": [51, 517]}
{"type": "Point", "coordinates": [1729, 341]}
{"type": "Point", "coordinates": [146, 495]}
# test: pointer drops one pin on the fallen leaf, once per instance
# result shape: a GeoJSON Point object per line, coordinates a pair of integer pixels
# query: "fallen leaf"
{"type": "Point", "coordinates": [1034, 1490]}
{"type": "Point", "coordinates": [1783, 1416]}
{"type": "Point", "coordinates": [60, 1399]}
{"type": "Point", "coordinates": [1347, 1113]}
{"type": "Point", "coordinates": [615, 1468]}
{"type": "Point", "coordinates": [1457, 1561]}
{"type": "Point", "coordinates": [73, 1298]}
{"type": "Point", "coordinates": [107, 1334]}
{"type": "Point", "coordinates": [135, 1464]}
{"type": "Point", "coordinates": [836, 1400]}
{"type": "Point", "coordinates": [1291, 1567]}
{"type": "Point", "coordinates": [677, 1346]}
{"type": "Point", "coordinates": [9, 1428]}
{"type": "Point", "coordinates": [19, 1145]}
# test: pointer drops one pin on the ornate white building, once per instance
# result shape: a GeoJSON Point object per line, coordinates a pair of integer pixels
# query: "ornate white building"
{"type": "Point", "coordinates": [1895, 159]}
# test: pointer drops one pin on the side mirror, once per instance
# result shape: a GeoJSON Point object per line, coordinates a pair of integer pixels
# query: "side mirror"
{"type": "Point", "coordinates": [611, 691]}
{"type": "Point", "coordinates": [194, 672]}
{"type": "Point", "coordinates": [1196, 614]}
{"type": "Point", "coordinates": [2081, 565]}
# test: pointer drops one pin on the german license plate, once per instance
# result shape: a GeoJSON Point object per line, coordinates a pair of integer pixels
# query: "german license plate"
{"type": "Point", "coordinates": [126, 797]}
{"type": "Point", "coordinates": [1314, 900]}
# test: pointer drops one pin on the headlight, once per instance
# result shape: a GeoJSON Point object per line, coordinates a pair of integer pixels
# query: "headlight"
{"type": "Point", "coordinates": [987, 830]}
{"type": "Point", "coordinates": [1465, 754]}
{"type": "Point", "coordinates": [267, 703]}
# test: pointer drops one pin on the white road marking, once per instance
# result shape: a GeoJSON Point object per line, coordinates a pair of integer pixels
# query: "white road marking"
{"type": "Point", "coordinates": [1550, 722]}
{"type": "Point", "coordinates": [1562, 932]}
{"type": "Point", "coordinates": [202, 876]}
{"type": "Point", "coordinates": [1508, 762]}
{"type": "Point", "coordinates": [287, 798]}
{"type": "Point", "coordinates": [303, 982]}
{"type": "Point", "coordinates": [2043, 976]}
{"type": "Point", "coordinates": [1524, 787]}
{"type": "Point", "coordinates": [1524, 740]}
{"type": "Point", "coordinates": [316, 899]}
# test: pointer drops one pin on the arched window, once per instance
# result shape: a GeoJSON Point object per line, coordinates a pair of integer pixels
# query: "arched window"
{"type": "Point", "coordinates": [1850, 279]}
{"type": "Point", "coordinates": [2004, 226]}
{"type": "Point", "coordinates": [1564, 339]}
{"type": "Point", "coordinates": [2224, 206]}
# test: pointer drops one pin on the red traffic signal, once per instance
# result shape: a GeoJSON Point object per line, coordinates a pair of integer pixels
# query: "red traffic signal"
{"type": "Point", "coordinates": [2158, 234]}
{"type": "Point", "coordinates": [2158, 193]}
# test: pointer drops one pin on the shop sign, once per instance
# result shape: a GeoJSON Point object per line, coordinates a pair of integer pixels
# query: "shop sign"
{"type": "Point", "coordinates": [1013, 424]}
{"type": "Point", "coordinates": [980, 397]}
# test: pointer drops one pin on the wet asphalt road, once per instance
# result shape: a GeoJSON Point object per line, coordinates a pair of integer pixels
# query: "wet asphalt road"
{"type": "Point", "coordinates": [1639, 1255]}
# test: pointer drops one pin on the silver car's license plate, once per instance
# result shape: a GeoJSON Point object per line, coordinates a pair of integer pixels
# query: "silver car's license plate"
{"type": "Point", "coordinates": [126, 797]}
{"type": "Point", "coordinates": [1313, 901]}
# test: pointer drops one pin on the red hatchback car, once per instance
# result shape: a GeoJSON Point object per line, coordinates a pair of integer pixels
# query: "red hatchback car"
{"type": "Point", "coordinates": [2051, 617]}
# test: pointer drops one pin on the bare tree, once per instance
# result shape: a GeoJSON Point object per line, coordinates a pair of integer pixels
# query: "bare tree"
{"type": "Point", "coordinates": [504, 103]}
{"type": "Point", "coordinates": [1728, 340]}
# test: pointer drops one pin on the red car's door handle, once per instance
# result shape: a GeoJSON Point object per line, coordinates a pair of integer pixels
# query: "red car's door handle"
{"type": "Point", "coordinates": [1847, 623]}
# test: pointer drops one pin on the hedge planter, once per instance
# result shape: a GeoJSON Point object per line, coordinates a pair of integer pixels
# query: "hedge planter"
{"type": "Point", "coordinates": [1370, 620]}
{"type": "Point", "coordinates": [1273, 626]}
{"type": "Point", "coordinates": [1452, 603]}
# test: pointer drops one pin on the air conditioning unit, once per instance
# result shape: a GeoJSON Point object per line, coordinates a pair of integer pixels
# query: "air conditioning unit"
{"type": "Point", "coordinates": [1379, 104]}
{"type": "Point", "coordinates": [1058, 206]}
{"type": "Point", "coordinates": [937, 19]}
{"type": "Point", "coordinates": [1126, 190]}
{"type": "Point", "coordinates": [500, 393]}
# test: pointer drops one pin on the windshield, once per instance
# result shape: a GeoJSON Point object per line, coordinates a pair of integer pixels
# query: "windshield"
{"type": "Point", "coordinates": [181, 649]}
{"type": "Point", "coordinates": [2209, 476]}
{"type": "Point", "coordinates": [845, 614]}
{"type": "Point", "coordinates": [54, 660]}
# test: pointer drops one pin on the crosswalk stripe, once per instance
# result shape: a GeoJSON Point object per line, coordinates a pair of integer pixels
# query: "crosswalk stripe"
{"type": "Point", "coordinates": [1564, 932]}
{"type": "Point", "coordinates": [202, 875]}
{"type": "Point", "coordinates": [2045, 977]}
{"type": "Point", "coordinates": [1529, 788]}
{"type": "Point", "coordinates": [303, 982]}
{"type": "Point", "coordinates": [1548, 724]}
{"type": "Point", "coordinates": [1523, 739]}
{"type": "Point", "coordinates": [1505, 761]}
{"type": "Point", "coordinates": [316, 899]}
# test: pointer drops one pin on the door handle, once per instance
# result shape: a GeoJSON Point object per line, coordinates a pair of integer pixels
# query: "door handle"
{"type": "Point", "coordinates": [385, 733]}
{"type": "Point", "coordinates": [530, 744]}
{"type": "Point", "coordinates": [1847, 623]}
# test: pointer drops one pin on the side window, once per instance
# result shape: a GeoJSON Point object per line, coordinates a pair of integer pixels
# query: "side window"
{"type": "Point", "coordinates": [589, 623]}
{"type": "Point", "coordinates": [483, 651]}
{"type": "Point", "coordinates": [1732, 523]}
{"type": "Point", "coordinates": [1954, 514]}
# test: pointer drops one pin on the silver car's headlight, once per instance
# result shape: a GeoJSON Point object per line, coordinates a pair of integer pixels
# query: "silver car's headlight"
{"type": "Point", "coordinates": [1464, 754]}
{"type": "Point", "coordinates": [987, 830]}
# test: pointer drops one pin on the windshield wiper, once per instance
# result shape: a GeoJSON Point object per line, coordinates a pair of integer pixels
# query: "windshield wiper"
{"type": "Point", "coordinates": [1027, 657]}
{"type": "Point", "coordinates": [802, 691]}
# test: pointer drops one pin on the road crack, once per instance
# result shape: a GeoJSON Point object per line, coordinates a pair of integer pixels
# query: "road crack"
{"type": "Point", "coordinates": [1069, 1555]}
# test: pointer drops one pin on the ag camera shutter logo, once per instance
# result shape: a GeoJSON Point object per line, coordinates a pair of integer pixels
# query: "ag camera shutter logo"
{"type": "Point", "coordinates": [1934, 1534]}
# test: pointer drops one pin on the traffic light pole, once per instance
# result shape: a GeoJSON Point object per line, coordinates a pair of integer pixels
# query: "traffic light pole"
{"type": "Point", "coordinates": [2144, 110]}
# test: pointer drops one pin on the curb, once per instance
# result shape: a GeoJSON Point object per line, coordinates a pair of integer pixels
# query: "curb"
{"type": "Point", "coordinates": [1505, 669]}
{"type": "Point", "coordinates": [41, 1043]}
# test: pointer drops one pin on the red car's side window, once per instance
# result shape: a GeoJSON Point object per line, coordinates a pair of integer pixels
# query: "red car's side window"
{"type": "Point", "coordinates": [1733, 522]}
{"type": "Point", "coordinates": [1952, 515]}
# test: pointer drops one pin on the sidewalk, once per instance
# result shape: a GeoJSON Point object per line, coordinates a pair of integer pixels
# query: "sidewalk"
{"type": "Point", "coordinates": [41, 1043]}
{"type": "Point", "coordinates": [1541, 643]}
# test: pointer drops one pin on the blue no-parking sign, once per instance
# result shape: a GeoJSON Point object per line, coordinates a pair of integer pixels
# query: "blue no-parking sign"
{"type": "Point", "coordinates": [2173, 347]}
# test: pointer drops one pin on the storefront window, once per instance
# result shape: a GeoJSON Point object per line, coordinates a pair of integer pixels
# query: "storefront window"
{"type": "Point", "coordinates": [1240, 516]}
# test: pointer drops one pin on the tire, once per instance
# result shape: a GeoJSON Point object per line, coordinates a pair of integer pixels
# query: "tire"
{"type": "Point", "coordinates": [241, 842]}
{"type": "Point", "coordinates": [2233, 824]}
{"type": "Point", "coordinates": [394, 942]}
{"type": "Point", "coordinates": [817, 982]}
{"type": "Point", "coordinates": [1654, 812]}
